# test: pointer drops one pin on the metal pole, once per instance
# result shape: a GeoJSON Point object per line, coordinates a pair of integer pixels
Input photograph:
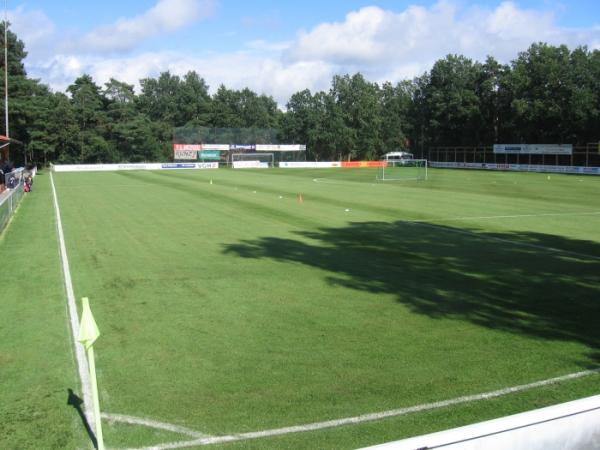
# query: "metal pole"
{"type": "Point", "coordinates": [6, 68]}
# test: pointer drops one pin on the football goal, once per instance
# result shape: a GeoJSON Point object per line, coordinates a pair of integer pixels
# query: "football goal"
{"type": "Point", "coordinates": [252, 160]}
{"type": "Point", "coordinates": [403, 170]}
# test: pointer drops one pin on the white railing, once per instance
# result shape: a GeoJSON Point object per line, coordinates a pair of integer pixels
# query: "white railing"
{"type": "Point", "coordinates": [11, 197]}
{"type": "Point", "coordinates": [573, 425]}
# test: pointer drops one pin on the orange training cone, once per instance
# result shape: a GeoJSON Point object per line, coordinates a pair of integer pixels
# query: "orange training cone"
{"type": "Point", "coordinates": [300, 198]}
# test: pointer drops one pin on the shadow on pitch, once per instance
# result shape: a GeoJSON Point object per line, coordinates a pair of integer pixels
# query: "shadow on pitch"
{"type": "Point", "coordinates": [76, 402]}
{"type": "Point", "coordinates": [538, 284]}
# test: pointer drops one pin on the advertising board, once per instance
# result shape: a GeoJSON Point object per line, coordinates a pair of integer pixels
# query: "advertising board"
{"type": "Point", "coordinates": [210, 155]}
{"type": "Point", "coordinates": [250, 165]}
{"type": "Point", "coordinates": [309, 164]}
{"type": "Point", "coordinates": [191, 147]}
{"type": "Point", "coordinates": [534, 149]}
{"type": "Point", "coordinates": [280, 147]}
{"type": "Point", "coordinates": [185, 154]}
{"type": "Point", "coordinates": [247, 147]}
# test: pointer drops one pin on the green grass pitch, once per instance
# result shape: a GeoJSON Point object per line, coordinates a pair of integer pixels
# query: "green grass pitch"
{"type": "Point", "coordinates": [231, 307]}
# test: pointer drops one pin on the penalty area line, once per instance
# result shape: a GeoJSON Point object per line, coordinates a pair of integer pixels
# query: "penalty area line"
{"type": "Point", "coordinates": [209, 440]}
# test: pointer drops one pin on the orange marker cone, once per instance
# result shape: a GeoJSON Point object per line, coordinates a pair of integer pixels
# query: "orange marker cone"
{"type": "Point", "coordinates": [300, 198]}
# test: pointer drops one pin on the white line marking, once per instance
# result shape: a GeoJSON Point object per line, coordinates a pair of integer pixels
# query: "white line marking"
{"type": "Point", "coordinates": [74, 319]}
{"type": "Point", "coordinates": [506, 241]}
{"type": "Point", "coordinates": [514, 216]}
{"type": "Point", "coordinates": [334, 181]}
{"type": "Point", "coordinates": [367, 417]}
{"type": "Point", "coordinates": [153, 424]}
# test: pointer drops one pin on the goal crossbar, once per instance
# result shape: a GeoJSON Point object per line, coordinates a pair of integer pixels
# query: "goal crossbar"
{"type": "Point", "coordinates": [403, 170]}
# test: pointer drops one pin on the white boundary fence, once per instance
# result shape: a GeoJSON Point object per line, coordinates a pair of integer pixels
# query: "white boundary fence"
{"type": "Point", "coordinates": [143, 166]}
{"type": "Point", "coordinates": [309, 164]}
{"type": "Point", "coordinates": [574, 425]}
{"type": "Point", "coordinates": [580, 170]}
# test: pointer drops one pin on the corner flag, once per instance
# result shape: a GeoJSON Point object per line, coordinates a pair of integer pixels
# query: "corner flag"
{"type": "Point", "coordinates": [88, 330]}
{"type": "Point", "coordinates": [88, 333]}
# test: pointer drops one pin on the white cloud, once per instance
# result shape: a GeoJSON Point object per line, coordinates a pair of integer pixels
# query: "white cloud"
{"type": "Point", "coordinates": [166, 16]}
{"type": "Point", "coordinates": [35, 29]}
{"type": "Point", "coordinates": [374, 40]}
{"type": "Point", "coordinates": [384, 45]}
{"type": "Point", "coordinates": [235, 70]}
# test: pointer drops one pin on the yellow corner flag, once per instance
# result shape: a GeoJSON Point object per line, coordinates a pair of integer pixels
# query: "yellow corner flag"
{"type": "Point", "coordinates": [88, 333]}
{"type": "Point", "coordinates": [88, 330]}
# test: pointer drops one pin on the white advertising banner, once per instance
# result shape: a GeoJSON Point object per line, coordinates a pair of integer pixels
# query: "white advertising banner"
{"type": "Point", "coordinates": [534, 149]}
{"type": "Point", "coordinates": [250, 165]}
{"type": "Point", "coordinates": [310, 164]}
{"type": "Point", "coordinates": [519, 167]}
{"type": "Point", "coordinates": [280, 147]}
{"type": "Point", "coordinates": [118, 167]}
{"type": "Point", "coordinates": [103, 167]}
{"type": "Point", "coordinates": [185, 154]}
{"type": "Point", "coordinates": [219, 147]}
{"type": "Point", "coordinates": [207, 165]}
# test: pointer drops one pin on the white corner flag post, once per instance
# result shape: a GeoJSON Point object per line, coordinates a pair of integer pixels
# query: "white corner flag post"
{"type": "Point", "coordinates": [88, 333]}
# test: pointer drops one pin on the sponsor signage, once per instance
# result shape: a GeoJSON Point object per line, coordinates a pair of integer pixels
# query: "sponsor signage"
{"type": "Point", "coordinates": [179, 166]}
{"type": "Point", "coordinates": [250, 147]}
{"type": "Point", "coordinates": [363, 164]}
{"type": "Point", "coordinates": [309, 164]}
{"type": "Point", "coordinates": [117, 167]}
{"type": "Point", "coordinates": [247, 147]}
{"type": "Point", "coordinates": [534, 149]}
{"type": "Point", "coordinates": [211, 155]}
{"type": "Point", "coordinates": [185, 154]}
{"type": "Point", "coordinates": [210, 165]}
{"type": "Point", "coordinates": [191, 147]}
{"type": "Point", "coordinates": [280, 147]}
{"type": "Point", "coordinates": [519, 167]}
{"type": "Point", "coordinates": [219, 147]}
{"type": "Point", "coordinates": [190, 166]}
{"type": "Point", "coordinates": [250, 165]}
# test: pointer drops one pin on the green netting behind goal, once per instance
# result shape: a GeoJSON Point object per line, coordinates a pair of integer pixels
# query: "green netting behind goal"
{"type": "Point", "coordinates": [206, 135]}
{"type": "Point", "coordinates": [411, 169]}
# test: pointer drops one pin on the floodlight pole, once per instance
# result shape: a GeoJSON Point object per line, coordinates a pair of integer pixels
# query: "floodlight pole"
{"type": "Point", "coordinates": [6, 68]}
{"type": "Point", "coordinates": [6, 151]}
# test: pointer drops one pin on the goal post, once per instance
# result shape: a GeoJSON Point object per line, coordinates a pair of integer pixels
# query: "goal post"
{"type": "Point", "coordinates": [403, 170]}
{"type": "Point", "coordinates": [252, 159]}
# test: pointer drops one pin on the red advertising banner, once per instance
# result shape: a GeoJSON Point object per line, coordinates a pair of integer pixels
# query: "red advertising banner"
{"type": "Point", "coordinates": [190, 147]}
{"type": "Point", "coordinates": [363, 164]}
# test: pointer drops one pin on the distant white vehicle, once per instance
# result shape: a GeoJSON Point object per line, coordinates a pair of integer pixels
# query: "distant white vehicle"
{"type": "Point", "coordinates": [399, 156]}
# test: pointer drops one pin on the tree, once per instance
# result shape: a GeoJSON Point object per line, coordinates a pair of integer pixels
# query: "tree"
{"type": "Point", "coordinates": [89, 108]}
{"type": "Point", "coordinates": [453, 116]}
{"type": "Point", "coordinates": [540, 93]}
{"type": "Point", "coordinates": [395, 113]}
{"type": "Point", "coordinates": [359, 103]}
{"type": "Point", "coordinates": [158, 99]}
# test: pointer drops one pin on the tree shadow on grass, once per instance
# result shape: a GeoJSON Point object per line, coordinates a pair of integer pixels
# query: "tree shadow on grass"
{"type": "Point", "coordinates": [523, 282]}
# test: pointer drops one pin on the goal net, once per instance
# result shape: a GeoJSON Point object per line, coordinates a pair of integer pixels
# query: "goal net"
{"type": "Point", "coordinates": [252, 160]}
{"type": "Point", "coordinates": [408, 169]}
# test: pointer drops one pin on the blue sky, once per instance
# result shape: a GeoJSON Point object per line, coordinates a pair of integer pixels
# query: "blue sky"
{"type": "Point", "coordinates": [278, 48]}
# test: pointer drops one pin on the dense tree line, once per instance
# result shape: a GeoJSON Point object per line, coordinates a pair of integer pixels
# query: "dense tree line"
{"type": "Point", "coordinates": [548, 94]}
